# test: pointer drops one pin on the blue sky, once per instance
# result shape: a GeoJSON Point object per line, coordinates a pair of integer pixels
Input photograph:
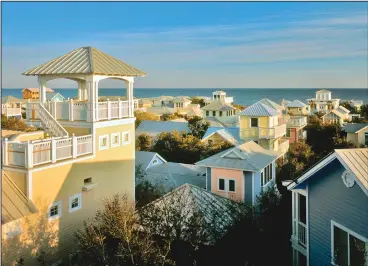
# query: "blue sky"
{"type": "Point", "coordinates": [194, 45]}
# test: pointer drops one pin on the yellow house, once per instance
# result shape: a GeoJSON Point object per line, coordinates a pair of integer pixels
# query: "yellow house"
{"type": "Point", "coordinates": [357, 133]}
{"type": "Point", "coordinates": [263, 124]}
{"type": "Point", "coordinates": [33, 93]}
{"type": "Point", "coordinates": [90, 156]}
{"type": "Point", "coordinates": [297, 107]}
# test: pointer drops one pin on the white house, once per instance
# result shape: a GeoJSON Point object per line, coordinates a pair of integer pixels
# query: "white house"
{"type": "Point", "coordinates": [323, 102]}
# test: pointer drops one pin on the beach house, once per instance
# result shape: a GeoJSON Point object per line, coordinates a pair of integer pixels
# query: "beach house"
{"type": "Point", "coordinates": [323, 102]}
{"type": "Point", "coordinates": [221, 111]}
{"type": "Point", "coordinates": [11, 106]}
{"type": "Point", "coordinates": [242, 172]}
{"type": "Point", "coordinates": [33, 93]}
{"type": "Point", "coordinates": [329, 211]}
{"type": "Point", "coordinates": [89, 156]}
{"type": "Point", "coordinates": [181, 102]}
{"type": "Point", "coordinates": [264, 125]}
{"type": "Point", "coordinates": [221, 95]}
{"type": "Point", "coordinates": [357, 133]}
{"type": "Point", "coordinates": [296, 120]}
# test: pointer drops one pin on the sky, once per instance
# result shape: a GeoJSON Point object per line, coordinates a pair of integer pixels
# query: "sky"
{"type": "Point", "coordinates": [195, 45]}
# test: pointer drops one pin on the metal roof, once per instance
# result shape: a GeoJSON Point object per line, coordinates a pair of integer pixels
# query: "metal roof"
{"type": "Point", "coordinates": [259, 109]}
{"type": "Point", "coordinates": [323, 91]}
{"type": "Point", "coordinates": [248, 157]}
{"type": "Point", "coordinates": [181, 99]}
{"type": "Point", "coordinates": [342, 109]}
{"type": "Point", "coordinates": [217, 105]}
{"type": "Point", "coordinates": [354, 127]}
{"type": "Point", "coordinates": [36, 89]}
{"type": "Point", "coordinates": [85, 60]}
{"type": "Point", "coordinates": [51, 95]}
{"type": "Point", "coordinates": [14, 204]}
{"type": "Point", "coordinates": [10, 99]}
{"type": "Point", "coordinates": [144, 158]}
{"type": "Point", "coordinates": [271, 104]}
{"type": "Point", "coordinates": [296, 104]}
{"type": "Point", "coordinates": [232, 131]}
{"type": "Point", "coordinates": [356, 160]}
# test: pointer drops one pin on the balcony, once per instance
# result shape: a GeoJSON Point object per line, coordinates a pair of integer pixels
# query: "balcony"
{"type": "Point", "coordinates": [11, 111]}
{"type": "Point", "coordinates": [297, 121]}
{"type": "Point", "coordinates": [41, 152]}
{"type": "Point", "coordinates": [82, 111]}
{"type": "Point", "coordinates": [263, 132]}
{"type": "Point", "coordinates": [300, 233]}
{"type": "Point", "coordinates": [283, 145]}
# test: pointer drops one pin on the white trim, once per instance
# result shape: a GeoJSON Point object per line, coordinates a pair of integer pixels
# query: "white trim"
{"type": "Point", "coordinates": [234, 151]}
{"type": "Point", "coordinates": [226, 184]}
{"type": "Point", "coordinates": [60, 207]}
{"type": "Point", "coordinates": [349, 232]}
{"type": "Point", "coordinates": [29, 185]}
{"type": "Point", "coordinates": [100, 148]}
{"type": "Point", "coordinates": [115, 122]}
{"type": "Point", "coordinates": [159, 156]}
{"type": "Point", "coordinates": [76, 196]}
{"type": "Point", "coordinates": [312, 171]}
{"type": "Point", "coordinates": [123, 134]}
{"type": "Point", "coordinates": [218, 184]}
{"type": "Point", "coordinates": [113, 135]}
{"type": "Point", "coordinates": [361, 129]}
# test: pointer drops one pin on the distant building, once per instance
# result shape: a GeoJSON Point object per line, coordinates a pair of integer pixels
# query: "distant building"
{"type": "Point", "coordinates": [54, 97]}
{"type": "Point", "coordinates": [221, 95]}
{"type": "Point", "coordinates": [330, 211]}
{"type": "Point", "coordinates": [33, 93]}
{"type": "Point", "coordinates": [296, 120]}
{"type": "Point", "coordinates": [181, 102]}
{"type": "Point", "coordinates": [333, 117]}
{"type": "Point", "coordinates": [297, 108]}
{"type": "Point", "coordinates": [241, 173]}
{"type": "Point", "coordinates": [214, 135]}
{"type": "Point", "coordinates": [154, 128]}
{"type": "Point", "coordinates": [356, 103]}
{"type": "Point", "coordinates": [225, 113]}
{"type": "Point", "coordinates": [357, 133]}
{"type": "Point", "coordinates": [323, 102]}
{"type": "Point", "coordinates": [11, 106]}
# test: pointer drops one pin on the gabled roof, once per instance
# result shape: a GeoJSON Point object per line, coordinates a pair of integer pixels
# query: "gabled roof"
{"type": "Point", "coordinates": [86, 60]}
{"type": "Point", "coordinates": [170, 175]}
{"type": "Point", "coordinates": [354, 160]}
{"type": "Point", "coordinates": [10, 99]}
{"type": "Point", "coordinates": [154, 128]}
{"type": "Point", "coordinates": [144, 158]}
{"type": "Point", "coordinates": [354, 127]}
{"type": "Point", "coordinates": [271, 104]}
{"type": "Point", "coordinates": [342, 109]}
{"type": "Point", "coordinates": [181, 99]}
{"type": "Point", "coordinates": [227, 133]}
{"type": "Point", "coordinates": [334, 112]}
{"type": "Point", "coordinates": [214, 122]}
{"type": "Point", "coordinates": [296, 104]}
{"type": "Point", "coordinates": [259, 109]}
{"type": "Point", "coordinates": [323, 91]}
{"type": "Point", "coordinates": [217, 211]}
{"type": "Point", "coordinates": [14, 204]}
{"type": "Point", "coordinates": [52, 95]}
{"type": "Point", "coordinates": [37, 89]}
{"type": "Point", "coordinates": [218, 105]}
{"type": "Point", "coordinates": [356, 102]}
{"type": "Point", "coordinates": [249, 157]}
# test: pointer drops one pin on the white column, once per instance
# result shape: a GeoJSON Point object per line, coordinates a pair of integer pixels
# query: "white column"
{"type": "Point", "coordinates": [53, 150]}
{"type": "Point", "coordinates": [5, 152]}
{"type": "Point", "coordinates": [90, 112]}
{"type": "Point", "coordinates": [80, 90]}
{"type": "Point", "coordinates": [95, 89]}
{"type": "Point", "coordinates": [42, 90]}
{"type": "Point", "coordinates": [29, 155]}
{"type": "Point", "coordinates": [129, 86]}
{"type": "Point", "coordinates": [71, 115]}
{"type": "Point", "coordinates": [74, 146]}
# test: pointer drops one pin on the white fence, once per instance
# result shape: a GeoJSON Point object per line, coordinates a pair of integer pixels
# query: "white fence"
{"type": "Point", "coordinates": [297, 121]}
{"type": "Point", "coordinates": [33, 153]}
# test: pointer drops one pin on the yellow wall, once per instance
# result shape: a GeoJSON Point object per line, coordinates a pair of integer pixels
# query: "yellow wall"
{"type": "Point", "coordinates": [113, 172]}
{"type": "Point", "coordinates": [19, 178]}
{"type": "Point", "coordinates": [295, 111]}
{"type": "Point", "coordinates": [361, 136]}
{"type": "Point", "coordinates": [245, 121]}
{"type": "Point", "coordinates": [78, 131]}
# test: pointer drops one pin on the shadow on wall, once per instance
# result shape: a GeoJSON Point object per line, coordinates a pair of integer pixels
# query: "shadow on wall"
{"type": "Point", "coordinates": [43, 241]}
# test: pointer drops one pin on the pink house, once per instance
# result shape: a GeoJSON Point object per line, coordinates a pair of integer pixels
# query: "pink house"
{"type": "Point", "coordinates": [241, 173]}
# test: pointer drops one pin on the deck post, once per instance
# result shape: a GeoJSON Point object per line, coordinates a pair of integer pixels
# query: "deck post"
{"type": "Point", "coordinates": [108, 109]}
{"type": "Point", "coordinates": [29, 155]}
{"type": "Point", "coordinates": [119, 108]}
{"type": "Point", "coordinates": [71, 115]}
{"type": "Point", "coordinates": [74, 146]}
{"type": "Point", "coordinates": [5, 152]}
{"type": "Point", "coordinates": [53, 150]}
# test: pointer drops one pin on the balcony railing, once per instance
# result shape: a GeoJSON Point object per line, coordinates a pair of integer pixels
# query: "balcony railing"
{"type": "Point", "coordinates": [11, 111]}
{"type": "Point", "coordinates": [283, 145]}
{"type": "Point", "coordinates": [39, 152]}
{"type": "Point", "coordinates": [80, 111]}
{"type": "Point", "coordinates": [297, 121]}
{"type": "Point", "coordinates": [263, 132]}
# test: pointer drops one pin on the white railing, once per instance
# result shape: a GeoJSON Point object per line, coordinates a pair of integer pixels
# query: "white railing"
{"type": "Point", "coordinates": [78, 111]}
{"type": "Point", "coordinates": [283, 145]}
{"type": "Point", "coordinates": [11, 111]}
{"type": "Point", "coordinates": [39, 152]}
{"type": "Point", "coordinates": [297, 121]}
{"type": "Point", "coordinates": [303, 135]}
{"type": "Point", "coordinates": [263, 132]}
{"type": "Point", "coordinates": [302, 239]}
{"type": "Point", "coordinates": [50, 123]}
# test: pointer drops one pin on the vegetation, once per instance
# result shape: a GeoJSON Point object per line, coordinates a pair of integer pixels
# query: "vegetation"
{"type": "Point", "coordinates": [140, 116]}
{"type": "Point", "coordinates": [143, 142]}
{"type": "Point", "coordinates": [172, 117]}
{"type": "Point", "coordinates": [13, 123]}
{"type": "Point", "coordinates": [239, 106]}
{"type": "Point", "coordinates": [198, 126]}
{"type": "Point", "coordinates": [199, 101]}
{"type": "Point", "coordinates": [348, 106]}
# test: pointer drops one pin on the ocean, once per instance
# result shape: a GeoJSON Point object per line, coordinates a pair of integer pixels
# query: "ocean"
{"type": "Point", "coordinates": [241, 96]}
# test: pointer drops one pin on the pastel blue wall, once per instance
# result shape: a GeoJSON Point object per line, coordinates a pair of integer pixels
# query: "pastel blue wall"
{"type": "Point", "coordinates": [257, 185]}
{"type": "Point", "coordinates": [208, 178]}
{"type": "Point", "coordinates": [248, 187]}
{"type": "Point", "coordinates": [329, 199]}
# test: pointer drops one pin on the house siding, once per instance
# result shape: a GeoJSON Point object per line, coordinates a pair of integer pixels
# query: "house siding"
{"type": "Point", "coordinates": [257, 189]}
{"type": "Point", "coordinates": [208, 179]}
{"type": "Point", "coordinates": [330, 199]}
{"type": "Point", "coordinates": [248, 187]}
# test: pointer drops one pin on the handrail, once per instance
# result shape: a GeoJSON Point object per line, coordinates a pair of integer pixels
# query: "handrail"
{"type": "Point", "coordinates": [50, 122]}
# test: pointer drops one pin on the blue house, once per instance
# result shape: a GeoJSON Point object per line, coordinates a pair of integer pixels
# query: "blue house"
{"type": "Point", "coordinates": [330, 211]}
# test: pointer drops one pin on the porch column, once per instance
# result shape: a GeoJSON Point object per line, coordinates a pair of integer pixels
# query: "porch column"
{"type": "Point", "coordinates": [95, 89]}
{"type": "Point", "coordinates": [42, 89]}
{"type": "Point", "coordinates": [90, 107]}
{"type": "Point", "coordinates": [129, 89]}
{"type": "Point", "coordinates": [80, 90]}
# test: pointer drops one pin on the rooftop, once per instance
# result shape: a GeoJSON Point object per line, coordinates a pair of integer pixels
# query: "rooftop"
{"type": "Point", "coordinates": [354, 127]}
{"type": "Point", "coordinates": [259, 109]}
{"type": "Point", "coordinates": [323, 91]}
{"type": "Point", "coordinates": [154, 128]}
{"type": "Point", "coordinates": [85, 60]}
{"type": "Point", "coordinates": [295, 104]}
{"type": "Point", "coordinates": [218, 105]}
{"type": "Point", "coordinates": [271, 104]}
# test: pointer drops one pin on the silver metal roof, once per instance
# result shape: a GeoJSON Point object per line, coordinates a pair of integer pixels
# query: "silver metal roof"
{"type": "Point", "coordinates": [259, 109]}
{"type": "Point", "coordinates": [296, 104]}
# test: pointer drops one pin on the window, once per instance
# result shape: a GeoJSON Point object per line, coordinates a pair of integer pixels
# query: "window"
{"type": "Point", "coordinates": [55, 210]}
{"type": "Point", "coordinates": [207, 113]}
{"type": "Point", "coordinates": [227, 185]}
{"type": "Point", "coordinates": [288, 130]}
{"type": "Point", "coordinates": [115, 140]}
{"type": "Point", "coordinates": [213, 113]}
{"type": "Point", "coordinates": [126, 137]}
{"type": "Point", "coordinates": [155, 161]}
{"type": "Point", "coordinates": [220, 113]}
{"type": "Point", "coordinates": [75, 202]}
{"type": "Point", "coordinates": [88, 181]}
{"type": "Point", "coordinates": [254, 122]}
{"type": "Point", "coordinates": [266, 175]}
{"type": "Point", "coordinates": [347, 247]}
{"type": "Point", "coordinates": [104, 142]}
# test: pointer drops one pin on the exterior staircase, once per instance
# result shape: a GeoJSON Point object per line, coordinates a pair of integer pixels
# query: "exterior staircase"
{"type": "Point", "coordinates": [50, 124]}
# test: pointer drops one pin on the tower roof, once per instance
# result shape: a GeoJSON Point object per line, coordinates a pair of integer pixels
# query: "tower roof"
{"type": "Point", "coordinates": [85, 60]}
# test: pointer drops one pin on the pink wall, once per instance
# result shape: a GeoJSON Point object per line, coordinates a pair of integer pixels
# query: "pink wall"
{"type": "Point", "coordinates": [293, 135]}
{"type": "Point", "coordinates": [237, 175]}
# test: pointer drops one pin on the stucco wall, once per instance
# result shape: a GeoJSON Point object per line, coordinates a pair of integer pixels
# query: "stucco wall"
{"type": "Point", "coordinates": [237, 175]}
{"type": "Point", "coordinates": [361, 136]}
